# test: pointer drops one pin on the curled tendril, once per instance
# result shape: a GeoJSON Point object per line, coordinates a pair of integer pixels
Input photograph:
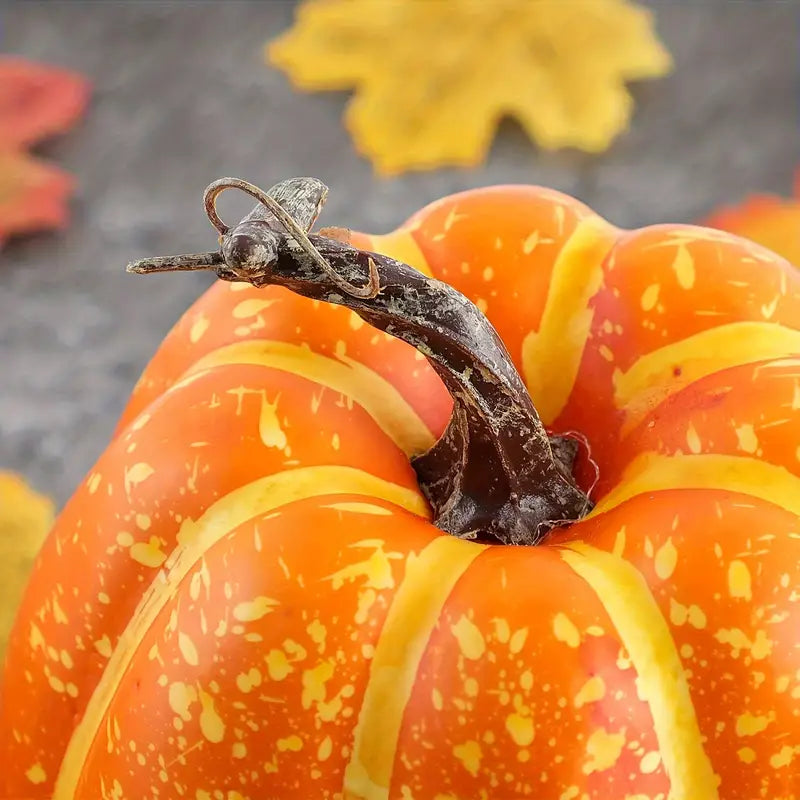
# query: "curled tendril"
{"type": "Point", "coordinates": [213, 190]}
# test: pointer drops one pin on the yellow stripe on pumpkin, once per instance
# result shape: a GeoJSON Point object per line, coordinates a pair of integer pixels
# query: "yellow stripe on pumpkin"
{"type": "Point", "coordinates": [653, 472]}
{"type": "Point", "coordinates": [661, 682]}
{"type": "Point", "coordinates": [552, 355]}
{"type": "Point", "coordinates": [390, 410]}
{"type": "Point", "coordinates": [195, 539]}
{"type": "Point", "coordinates": [429, 579]}
{"type": "Point", "coordinates": [658, 375]}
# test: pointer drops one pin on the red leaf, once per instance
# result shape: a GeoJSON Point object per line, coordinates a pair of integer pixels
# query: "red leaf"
{"type": "Point", "coordinates": [33, 194]}
{"type": "Point", "coordinates": [769, 220]}
{"type": "Point", "coordinates": [37, 101]}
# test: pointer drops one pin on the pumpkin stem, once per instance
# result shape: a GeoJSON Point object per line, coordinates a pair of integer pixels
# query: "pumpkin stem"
{"type": "Point", "coordinates": [494, 473]}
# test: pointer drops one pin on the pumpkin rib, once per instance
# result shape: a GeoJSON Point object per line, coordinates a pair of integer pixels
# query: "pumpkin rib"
{"type": "Point", "coordinates": [551, 355]}
{"type": "Point", "coordinates": [654, 472]}
{"type": "Point", "coordinates": [652, 378]}
{"type": "Point", "coordinates": [221, 518]}
{"type": "Point", "coordinates": [379, 398]}
{"type": "Point", "coordinates": [413, 614]}
{"type": "Point", "coordinates": [626, 597]}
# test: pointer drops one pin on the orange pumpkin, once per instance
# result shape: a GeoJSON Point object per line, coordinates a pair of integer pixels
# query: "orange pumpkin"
{"type": "Point", "coordinates": [247, 596]}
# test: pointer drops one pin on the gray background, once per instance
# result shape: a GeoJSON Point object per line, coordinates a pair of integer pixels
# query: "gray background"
{"type": "Point", "coordinates": [182, 96]}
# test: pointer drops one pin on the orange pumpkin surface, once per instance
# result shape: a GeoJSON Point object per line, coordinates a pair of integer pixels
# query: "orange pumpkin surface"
{"type": "Point", "coordinates": [246, 598]}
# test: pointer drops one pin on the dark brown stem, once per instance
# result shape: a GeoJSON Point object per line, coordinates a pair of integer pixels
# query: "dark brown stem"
{"type": "Point", "coordinates": [494, 473]}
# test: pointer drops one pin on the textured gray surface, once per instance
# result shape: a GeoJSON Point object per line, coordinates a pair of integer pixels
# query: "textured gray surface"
{"type": "Point", "coordinates": [182, 97]}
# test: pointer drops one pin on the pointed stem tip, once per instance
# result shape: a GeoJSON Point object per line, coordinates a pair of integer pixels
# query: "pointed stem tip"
{"type": "Point", "coordinates": [182, 263]}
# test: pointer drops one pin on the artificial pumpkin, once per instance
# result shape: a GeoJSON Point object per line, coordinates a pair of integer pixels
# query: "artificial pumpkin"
{"type": "Point", "coordinates": [247, 598]}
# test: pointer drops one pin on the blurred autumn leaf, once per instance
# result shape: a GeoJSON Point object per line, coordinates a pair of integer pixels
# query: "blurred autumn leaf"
{"type": "Point", "coordinates": [36, 102]}
{"type": "Point", "coordinates": [433, 79]}
{"type": "Point", "coordinates": [769, 220]}
{"type": "Point", "coordinates": [25, 519]}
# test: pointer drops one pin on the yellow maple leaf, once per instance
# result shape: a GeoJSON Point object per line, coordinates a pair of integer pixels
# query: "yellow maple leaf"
{"type": "Point", "coordinates": [769, 220]}
{"type": "Point", "coordinates": [434, 77]}
{"type": "Point", "coordinates": [25, 519]}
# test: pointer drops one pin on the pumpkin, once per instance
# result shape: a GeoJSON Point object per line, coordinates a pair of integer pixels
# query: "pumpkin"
{"type": "Point", "coordinates": [255, 594]}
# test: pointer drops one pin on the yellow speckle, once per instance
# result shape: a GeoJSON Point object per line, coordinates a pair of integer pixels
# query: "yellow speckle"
{"type": "Point", "coordinates": [526, 680]}
{"type": "Point", "coordinates": [470, 639]}
{"type": "Point", "coordinates": [501, 630]}
{"type": "Point", "coordinates": [278, 665]}
{"type": "Point", "coordinates": [94, 482]}
{"type": "Point", "coordinates": [211, 725]}
{"type": "Point", "coordinates": [137, 474]}
{"type": "Point", "coordinates": [148, 554]}
{"type": "Point", "coordinates": [520, 729]}
{"type": "Point", "coordinates": [377, 569]}
{"type": "Point", "coordinates": [436, 699]}
{"type": "Point", "coordinates": [666, 559]}
{"type": "Point", "coordinates": [366, 599]}
{"type": "Point", "coordinates": [746, 436]}
{"type": "Point", "coordinates": [188, 649]}
{"type": "Point", "coordinates": [124, 539]}
{"type": "Point", "coordinates": [247, 681]}
{"type": "Point", "coordinates": [603, 749]}
{"type": "Point", "coordinates": [140, 422]}
{"type": "Point", "coordinates": [488, 273]}
{"type": "Point", "coordinates": [606, 352]}
{"type": "Point", "coordinates": [684, 267]}
{"type": "Point", "coordinates": [782, 758]}
{"type": "Point", "coordinates": [314, 681]}
{"type": "Point", "coordinates": [199, 327]}
{"type": "Point", "coordinates": [103, 646]}
{"type": "Point", "coordinates": [469, 754]}
{"type": "Point", "coordinates": [317, 631]}
{"type": "Point", "coordinates": [746, 754]}
{"type": "Point", "coordinates": [593, 690]}
{"type": "Point", "coordinates": [251, 307]}
{"type": "Point", "coordinates": [565, 630]}
{"type": "Point", "coordinates": [325, 749]}
{"type": "Point", "coordinates": [181, 696]}
{"type": "Point", "coordinates": [529, 245]}
{"type": "Point", "coordinates": [687, 651]}
{"type": "Point", "coordinates": [680, 615]}
{"type": "Point", "coordinates": [252, 610]}
{"type": "Point", "coordinates": [335, 442]}
{"type": "Point", "coordinates": [693, 440]}
{"type": "Point", "coordinates": [517, 641]}
{"type": "Point", "coordinates": [748, 724]}
{"type": "Point", "coordinates": [269, 426]}
{"type": "Point", "coordinates": [143, 522]}
{"type": "Point", "coordinates": [239, 750]}
{"type": "Point", "coordinates": [739, 582]}
{"type": "Point", "coordinates": [36, 774]}
{"type": "Point", "coordinates": [650, 297]}
{"type": "Point", "coordinates": [650, 762]}
{"type": "Point", "coordinates": [697, 617]}
{"type": "Point", "coordinates": [291, 743]}
{"type": "Point", "coordinates": [355, 321]}
{"type": "Point", "coordinates": [481, 304]}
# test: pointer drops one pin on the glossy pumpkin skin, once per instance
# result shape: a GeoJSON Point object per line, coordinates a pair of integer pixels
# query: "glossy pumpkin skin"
{"type": "Point", "coordinates": [245, 599]}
